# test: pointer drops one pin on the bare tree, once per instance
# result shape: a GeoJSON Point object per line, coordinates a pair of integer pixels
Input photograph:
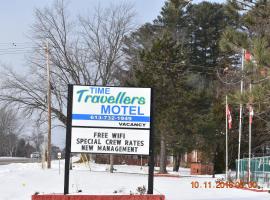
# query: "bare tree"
{"type": "Point", "coordinates": [37, 137]}
{"type": "Point", "coordinates": [83, 51]}
{"type": "Point", "coordinates": [10, 129]}
{"type": "Point", "coordinates": [103, 36]}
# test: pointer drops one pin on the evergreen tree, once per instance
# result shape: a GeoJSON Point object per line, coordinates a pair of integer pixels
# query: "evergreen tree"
{"type": "Point", "coordinates": [162, 70]}
{"type": "Point", "coordinates": [251, 32]}
{"type": "Point", "coordinates": [178, 55]}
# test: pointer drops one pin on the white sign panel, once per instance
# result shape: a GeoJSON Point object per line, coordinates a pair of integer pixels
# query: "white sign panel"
{"type": "Point", "coordinates": [124, 107]}
{"type": "Point", "coordinates": [112, 141]}
{"type": "Point", "coordinates": [59, 155]}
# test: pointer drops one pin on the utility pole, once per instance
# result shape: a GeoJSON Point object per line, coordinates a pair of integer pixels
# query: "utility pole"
{"type": "Point", "coordinates": [240, 117]}
{"type": "Point", "coordinates": [43, 157]}
{"type": "Point", "coordinates": [49, 107]}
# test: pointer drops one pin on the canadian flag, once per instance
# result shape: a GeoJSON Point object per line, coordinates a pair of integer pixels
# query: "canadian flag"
{"type": "Point", "coordinates": [248, 56]}
{"type": "Point", "coordinates": [228, 114]}
{"type": "Point", "coordinates": [251, 113]}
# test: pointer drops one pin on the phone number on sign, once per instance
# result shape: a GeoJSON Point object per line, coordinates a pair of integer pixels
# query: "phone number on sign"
{"type": "Point", "coordinates": [223, 184]}
{"type": "Point", "coordinates": [110, 118]}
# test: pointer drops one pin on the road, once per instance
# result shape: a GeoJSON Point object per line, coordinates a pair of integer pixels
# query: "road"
{"type": "Point", "coordinates": [6, 161]}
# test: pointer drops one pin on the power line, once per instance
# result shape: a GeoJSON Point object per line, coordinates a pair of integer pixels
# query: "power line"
{"type": "Point", "coordinates": [15, 43]}
{"type": "Point", "coordinates": [16, 53]}
{"type": "Point", "coordinates": [16, 48]}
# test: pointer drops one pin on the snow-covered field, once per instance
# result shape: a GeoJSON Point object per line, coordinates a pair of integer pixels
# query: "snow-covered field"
{"type": "Point", "coordinates": [20, 181]}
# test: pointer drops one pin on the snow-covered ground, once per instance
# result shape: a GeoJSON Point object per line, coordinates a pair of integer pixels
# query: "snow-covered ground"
{"type": "Point", "coordinates": [20, 181]}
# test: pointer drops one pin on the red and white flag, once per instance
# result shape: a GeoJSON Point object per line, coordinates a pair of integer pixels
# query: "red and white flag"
{"type": "Point", "coordinates": [248, 56]}
{"type": "Point", "coordinates": [228, 114]}
{"type": "Point", "coordinates": [251, 113]}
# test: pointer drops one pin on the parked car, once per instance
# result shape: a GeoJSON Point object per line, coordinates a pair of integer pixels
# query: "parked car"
{"type": "Point", "coordinates": [35, 155]}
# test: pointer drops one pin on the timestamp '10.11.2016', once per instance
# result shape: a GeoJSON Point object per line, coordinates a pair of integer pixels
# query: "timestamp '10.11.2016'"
{"type": "Point", "coordinates": [223, 184]}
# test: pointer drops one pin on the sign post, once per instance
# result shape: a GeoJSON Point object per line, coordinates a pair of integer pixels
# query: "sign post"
{"type": "Point", "coordinates": [151, 161]}
{"type": "Point", "coordinates": [109, 120]}
{"type": "Point", "coordinates": [59, 157]}
{"type": "Point", "coordinates": [68, 139]}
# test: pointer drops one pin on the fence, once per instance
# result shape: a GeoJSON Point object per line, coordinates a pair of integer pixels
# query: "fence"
{"type": "Point", "coordinates": [259, 171]}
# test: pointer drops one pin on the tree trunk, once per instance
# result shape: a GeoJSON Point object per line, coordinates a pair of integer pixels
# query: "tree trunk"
{"type": "Point", "coordinates": [163, 157]}
{"type": "Point", "coordinates": [176, 162]}
{"type": "Point", "coordinates": [111, 163]}
{"type": "Point", "coordinates": [70, 166]}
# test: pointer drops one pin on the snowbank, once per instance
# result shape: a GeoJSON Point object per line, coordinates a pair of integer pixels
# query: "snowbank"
{"type": "Point", "coordinates": [20, 181]}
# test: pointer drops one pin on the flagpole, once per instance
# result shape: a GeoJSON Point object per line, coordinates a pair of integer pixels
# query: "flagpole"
{"type": "Point", "coordinates": [249, 139]}
{"type": "Point", "coordinates": [240, 118]}
{"type": "Point", "coordinates": [226, 137]}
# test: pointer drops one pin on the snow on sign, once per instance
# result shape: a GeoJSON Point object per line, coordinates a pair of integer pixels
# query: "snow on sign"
{"type": "Point", "coordinates": [110, 120]}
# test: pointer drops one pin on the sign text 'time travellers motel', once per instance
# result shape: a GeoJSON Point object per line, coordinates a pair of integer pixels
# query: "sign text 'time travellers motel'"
{"type": "Point", "coordinates": [113, 120]}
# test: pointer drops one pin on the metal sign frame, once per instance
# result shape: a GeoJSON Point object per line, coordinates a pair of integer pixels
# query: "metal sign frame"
{"type": "Point", "coordinates": [68, 141]}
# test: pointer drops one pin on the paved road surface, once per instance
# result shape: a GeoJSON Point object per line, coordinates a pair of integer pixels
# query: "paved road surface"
{"type": "Point", "coordinates": [5, 161]}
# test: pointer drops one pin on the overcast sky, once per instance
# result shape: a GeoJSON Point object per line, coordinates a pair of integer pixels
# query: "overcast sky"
{"type": "Point", "coordinates": [18, 15]}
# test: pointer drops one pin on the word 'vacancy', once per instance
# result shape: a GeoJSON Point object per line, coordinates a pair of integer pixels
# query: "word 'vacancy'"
{"type": "Point", "coordinates": [125, 104]}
